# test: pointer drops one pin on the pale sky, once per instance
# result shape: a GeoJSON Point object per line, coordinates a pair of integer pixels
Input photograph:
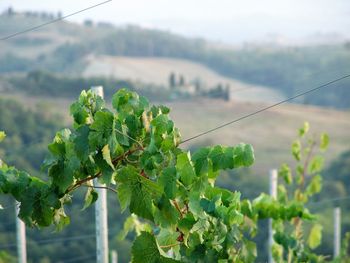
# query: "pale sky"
{"type": "Point", "coordinates": [227, 21]}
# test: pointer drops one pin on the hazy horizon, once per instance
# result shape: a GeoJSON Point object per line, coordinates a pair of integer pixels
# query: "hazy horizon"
{"type": "Point", "coordinates": [231, 22]}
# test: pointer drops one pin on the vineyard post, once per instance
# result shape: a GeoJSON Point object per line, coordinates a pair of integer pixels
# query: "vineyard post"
{"type": "Point", "coordinates": [273, 193]}
{"type": "Point", "coordinates": [114, 256]}
{"type": "Point", "coordinates": [101, 211]}
{"type": "Point", "coordinates": [21, 237]}
{"type": "Point", "coordinates": [337, 233]}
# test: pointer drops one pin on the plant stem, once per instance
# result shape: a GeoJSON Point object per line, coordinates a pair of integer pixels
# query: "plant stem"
{"type": "Point", "coordinates": [97, 175]}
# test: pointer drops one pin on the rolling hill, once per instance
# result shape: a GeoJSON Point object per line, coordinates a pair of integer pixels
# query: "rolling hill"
{"type": "Point", "coordinates": [156, 71]}
{"type": "Point", "coordinates": [64, 46]}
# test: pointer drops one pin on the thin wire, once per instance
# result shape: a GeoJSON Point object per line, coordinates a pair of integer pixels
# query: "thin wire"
{"type": "Point", "coordinates": [264, 109]}
{"type": "Point", "coordinates": [53, 21]}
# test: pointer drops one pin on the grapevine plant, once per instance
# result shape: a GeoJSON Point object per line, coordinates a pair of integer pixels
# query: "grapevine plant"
{"type": "Point", "coordinates": [297, 187]}
{"type": "Point", "coordinates": [177, 211]}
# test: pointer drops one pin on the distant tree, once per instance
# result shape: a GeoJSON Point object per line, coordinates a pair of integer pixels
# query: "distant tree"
{"type": "Point", "coordinates": [172, 80]}
{"type": "Point", "coordinates": [10, 11]}
{"type": "Point", "coordinates": [227, 92]}
{"type": "Point", "coordinates": [181, 80]}
{"type": "Point", "coordinates": [88, 23]}
{"type": "Point", "coordinates": [220, 88]}
{"type": "Point", "coordinates": [59, 14]}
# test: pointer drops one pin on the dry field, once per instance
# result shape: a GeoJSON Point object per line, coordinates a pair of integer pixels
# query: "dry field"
{"type": "Point", "coordinates": [157, 71]}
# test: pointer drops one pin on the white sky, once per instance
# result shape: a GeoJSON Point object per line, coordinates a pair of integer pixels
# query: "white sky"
{"type": "Point", "coordinates": [228, 21]}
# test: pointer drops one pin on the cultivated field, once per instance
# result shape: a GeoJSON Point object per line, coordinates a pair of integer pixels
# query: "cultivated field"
{"type": "Point", "coordinates": [157, 71]}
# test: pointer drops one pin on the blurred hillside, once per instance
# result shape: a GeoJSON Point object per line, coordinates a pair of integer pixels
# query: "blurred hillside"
{"type": "Point", "coordinates": [43, 71]}
{"type": "Point", "coordinates": [75, 49]}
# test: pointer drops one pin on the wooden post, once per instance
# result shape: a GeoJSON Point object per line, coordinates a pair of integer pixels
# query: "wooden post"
{"type": "Point", "coordinates": [337, 229]}
{"type": "Point", "coordinates": [273, 193]}
{"type": "Point", "coordinates": [101, 211]}
{"type": "Point", "coordinates": [21, 237]}
{"type": "Point", "coordinates": [20, 234]}
{"type": "Point", "coordinates": [114, 256]}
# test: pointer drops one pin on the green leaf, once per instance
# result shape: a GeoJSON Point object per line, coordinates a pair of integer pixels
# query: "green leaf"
{"type": "Point", "coordinates": [167, 180]}
{"type": "Point", "coordinates": [296, 150]}
{"type": "Point", "coordinates": [106, 170]}
{"type": "Point", "coordinates": [127, 102]}
{"type": "Point", "coordinates": [2, 136]}
{"type": "Point", "coordinates": [145, 249]}
{"type": "Point", "coordinates": [185, 168]}
{"type": "Point", "coordinates": [201, 161]}
{"type": "Point", "coordinates": [167, 237]}
{"type": "Point", "coordinates": [200, 228]}
{"type": "Point", "coordinates": [316, 164]}
{"type": "Point", "coordinates": [315, 185]}
{"type": "Point", "coordinates": [286, 173]}
{"type": "Point", "coordinates": [288, 242]}
{"type": "Point", "coordinates": [124, 196]}
{"type": "Point", "coordinates": [194, 204]}
{"type": "Point", "coordinates": [81, 142]}
{"type": "Point", "coordinates": [277, 252]}
{"type": "Point", "coordinates": [166, 215]}
{"type": "Point", "coordinates": [219, 159]}
{"type": "Point", "coordinates": [324, 141]}
{"type": "Point", "coordinates": [80, 113]}
{"type": "Point", "coordinates": [62, 176]}
{"type": "Point", "coordinates": [304, 129]}
{"type": "Point", "coordinates": [107, 155]}
{"type": "Point", "coordinates": [60, 219]}
{"type": "Point", "coordinates": [186, 223]}
{"type": "Point", "coordinates": [315, 236]}
{"type": "Point", "coordinates": [129, 225]}
{"type": "Point", "coordinates": [210, 206]}
{"type": "Point", "coordinates": [249, 251]}
{"type": "Point", "coordinates": [120, 133]}
{"type": "Point", "coordinates": [137, 192]}
{"type": "Point", "coordinates": [243, 155]}
{"type": "Point", "coordinates": [101, 129]}
{"type": "Point", "coordinates": [57, 148]}
{"type": "Point", "coordinates": [90, 197]}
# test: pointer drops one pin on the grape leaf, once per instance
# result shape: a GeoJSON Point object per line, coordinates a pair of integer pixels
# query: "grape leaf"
{"type": "Point", "coordinates": [185, 168]}
{"type": "Point", "coordinates": [145, 249]}
{"type": "Point", "coordinates": [137, 192]}
{"type": "Point", "coordinates": [324, 141]}
{"type": "Point", "coordinates": [2, 136]}
{"type": "Point", "coordinates": [167, 180]}
{"type": "Point", "coordinates": [90, 197]}
{"type": "Point", "coordinates": [315, 236]}
{"type": "Point", "coordinates": [81, 142]}
{"type": "Point", "coordinates": [107, 156]}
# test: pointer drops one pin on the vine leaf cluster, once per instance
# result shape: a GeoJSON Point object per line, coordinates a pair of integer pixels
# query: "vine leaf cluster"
{"type": "Point", "coordinates": [177, 211]}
